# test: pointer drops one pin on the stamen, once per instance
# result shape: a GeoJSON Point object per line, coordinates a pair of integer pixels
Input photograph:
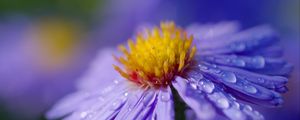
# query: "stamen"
{"type": "Point", "coordinates": [155, 58]}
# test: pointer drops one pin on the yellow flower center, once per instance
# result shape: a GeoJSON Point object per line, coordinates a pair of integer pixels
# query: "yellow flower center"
{"type": "Point", "coordinates": [156, 56]}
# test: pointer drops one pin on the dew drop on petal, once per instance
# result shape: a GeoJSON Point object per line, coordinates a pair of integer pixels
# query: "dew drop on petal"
{"type": "Point", "coordinates": [208, 87]}
{"type": "Point", "coordinates": [234, 114]}
{"type": "Point", "coordinates": [247, 108]}
{"type": "Point", "coordinates": [223, 103]}
{"type": "Point", "coordinates": [199, 76]}
{"type": "Point", "coordinates": [241, 47]}
{"type": "Point", "coordinates": [250, 89]}
{"type": "Point", "coordinates": [165, 98]}
{"type": "Point", "coordinates": [194, 86]}
{"type": "Point", "coordinates": [256, 113]}
{"type": "Point", "coordinates": [214, 65]}
{"type": "Point", "coordinates": [228, 60]}
{"type": "Point", "coordinates": [229, 77]}
{"type": "Point", "coordinates": [238, 46]}
{"type": "Point", "coordinates": [83, 115]}
{"type": "Point", "coordinates": [126, 94]}
{"type": "Point", "coordinates": [116, 81]}
{"type": "Point", "coordinates": [239, 62]}
{"type": "Point", "coordinates": [258, 62]}
{"type": "Point", "coordinates": [261, 80]}
{"type": "Point", "coordinates": [115, 105]}
{"type": "Point", "coordinates": [207, 110]}
{"type": "Point", "coordinates": [202, 67]}
{"type": "Point", "coordinates": [237, 105]}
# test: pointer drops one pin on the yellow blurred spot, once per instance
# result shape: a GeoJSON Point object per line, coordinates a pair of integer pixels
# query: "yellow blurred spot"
{"type": "Point", "coordinates": [157, 56]}
{"type": "Point", "coordinates": [56, 40]}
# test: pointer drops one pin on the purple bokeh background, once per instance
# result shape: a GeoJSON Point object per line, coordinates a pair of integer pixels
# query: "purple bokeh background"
{"type": "Point", "coordinates": [31, 80]}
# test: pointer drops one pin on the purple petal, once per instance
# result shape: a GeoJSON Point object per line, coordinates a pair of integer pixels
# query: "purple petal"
{"type": "Point", "coordinates": [101, 72]}
{"type": "Point", "coordinates": [84, 104]}
{"type": "Point", "coordinates": [148, 104]}
{"type": "Point", "coordinates": [271, 66]}
{"type": "Point", "coordinates": [270, 82]}
{"type": "Point", "coordinates": [164, 110]}
{"type": "Point", "coordinates": [197, 101]}
{"type": "Point", "coordinates": [138, 105]}
{"type": "Point", "coordinates": [202, 32]}
{"type": "Point", "coordinates": [245, 41]}
{"type": "Point", "coordinates": [245, 85]}
{"type": "Point", "coordinates": [220, 101]}
{"type": "Point", "coordinates": [272, 51]}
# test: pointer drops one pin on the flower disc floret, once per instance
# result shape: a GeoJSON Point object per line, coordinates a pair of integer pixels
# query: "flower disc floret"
{"type": "Point", "coordinates": [157, 55]}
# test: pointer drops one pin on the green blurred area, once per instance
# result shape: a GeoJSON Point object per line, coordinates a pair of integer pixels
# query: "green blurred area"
{"type": "Point", "coordinates": [77, 9]}
{"type": "Point", "coordinates": [54, 17]}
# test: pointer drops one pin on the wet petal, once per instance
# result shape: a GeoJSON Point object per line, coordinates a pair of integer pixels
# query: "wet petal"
{"type": "Point", "coordinates": [195, 100]}
{"type": "Point", "coordinates": [270, 66]}
{"type": "Point", "coordinates": [245, 41]}
{"type": "Point", "coordinates": [272, 51]}
{"type": "Point", "coordinates": [148, 104]}
{"type": "Point", "coordinates": [246, 85]}
{"type": "Point", "coordinates": [138, 105]}
{"type": "Point", "coordinates": [164, 110]}
{"type": "Point", "coordinates": [88, 104]}
{"type": "Point", "coordinates": [221, 101]}
{"type": "Point", "coordinates": [203, 32]}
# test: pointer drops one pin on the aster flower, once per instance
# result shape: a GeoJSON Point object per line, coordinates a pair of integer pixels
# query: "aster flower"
{"type": "Point", "coordinates": [216, 73]}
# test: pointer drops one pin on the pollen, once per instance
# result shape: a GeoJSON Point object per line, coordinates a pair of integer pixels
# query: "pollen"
{"type": "Point", "coordinates": [156, 56]}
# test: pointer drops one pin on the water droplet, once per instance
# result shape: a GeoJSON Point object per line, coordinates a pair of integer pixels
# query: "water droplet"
{"type": "Point", "coordinates": [195, 75]}
{"type": "Point", "coordinates": [116, 105]}
{"type": "Point", "coordinates": [208, 87]}
{"type": "Point", "coordinates": [232, 97]}
{"type": "Point", "coordinates": [126, 94]}
{"type": "Point", "coordinates": [106, 90]}
{"type": "Point", "coordinates": [83, 115]}
{"type": "Point", "coordinates": [193, 85]}
{"type": "Point", "coordinates": [165, 98]}
{"type": "Point", "coordinates": [193, 80]}
{"type": "Point", "coordinates": [217, 71]}
{"type": "Point", "coordinates": [223, 103]}
{"type": "Point", "coordinates": [228, 60]}
{"type": "Point", "coordinates": [214, 65]}
{"type": "Point", "coordinates": [207, 110]}
{"type": "Point", "coordinates": [237, 105]}
{"type": "Point", "coordinates": [238, 115]}
{"type": "Point", "coordinates": [261, 80]}
{"type": "Point", "coordinates": [239, 62]}
{"type": "Point", "coordinates": [248, 108]}
{"type": "Point", "coordinates": [250, 89]}
{"type": "Point", "coordinates": [238, 46]}
{"type": "Point", "coordinates": [256, 113]}
{"type": "Point", "coordinates": [210, 58]}
{"type": "Point", "coordinates": [229, 77]}
{"type": "Point", "coordinates": [202, 67]}
{"type": "Point", "coordinates": [258, 62]}
{"type": "Point", "coordinates": [201, 82]}
{"type": "Point", "coordinates": [116, 81]}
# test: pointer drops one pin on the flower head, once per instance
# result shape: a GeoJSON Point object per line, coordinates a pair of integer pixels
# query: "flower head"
{"type": "Point", "coordinates": [158, 56]}
{"type": "Point", "coordinates": [228, 70]}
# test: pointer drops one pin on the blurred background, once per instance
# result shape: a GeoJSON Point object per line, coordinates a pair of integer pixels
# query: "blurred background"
{"type": "Point", "coordinates": [46, 45]}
